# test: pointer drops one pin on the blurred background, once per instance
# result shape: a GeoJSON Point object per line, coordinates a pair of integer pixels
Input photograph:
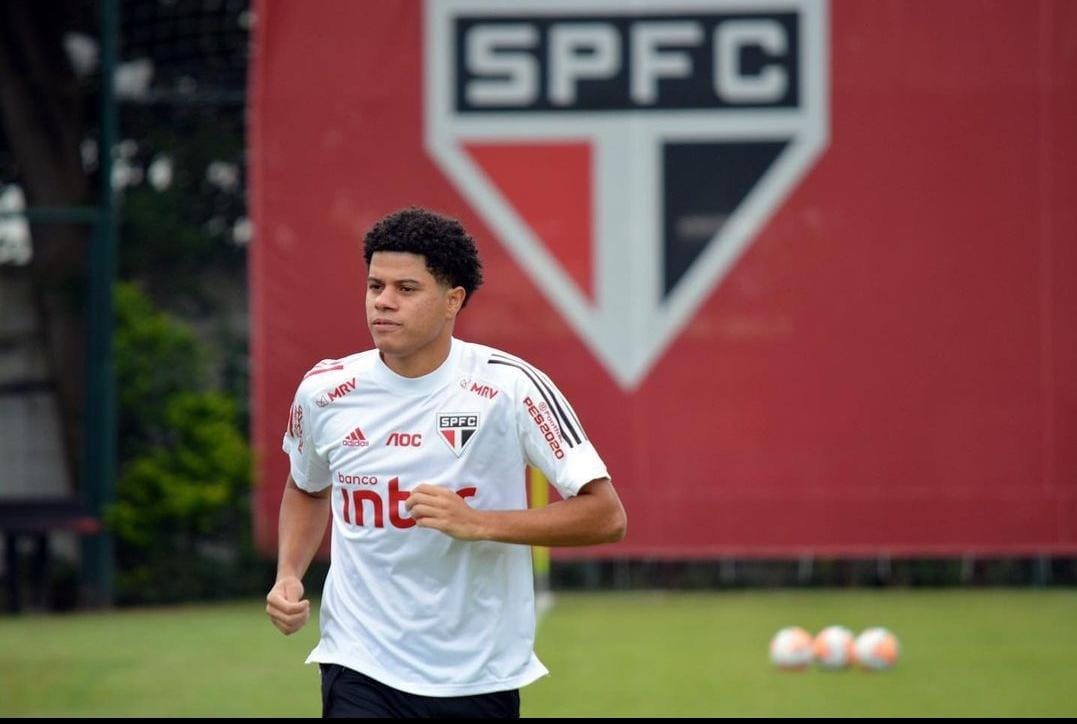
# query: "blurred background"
{"type": "Point", "coordinates": [123, 398]}
{"type": "Point", "coordinates": [804, 269]}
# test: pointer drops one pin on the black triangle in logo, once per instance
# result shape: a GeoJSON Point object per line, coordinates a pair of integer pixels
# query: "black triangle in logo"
{"type": "Point", "coordinates": [704, 185]}
{"type": "Point", "coordinates": [465, 435]}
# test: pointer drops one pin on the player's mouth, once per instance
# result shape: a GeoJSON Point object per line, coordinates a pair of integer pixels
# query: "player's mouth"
{"type": "Point", "coordinates": [384, 325]}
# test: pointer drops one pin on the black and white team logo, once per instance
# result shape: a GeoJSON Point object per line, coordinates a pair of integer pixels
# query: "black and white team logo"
{"type": "Point", "coordinates": [660, 141]}
{"type": "Point", "coordinates": [457, 429]}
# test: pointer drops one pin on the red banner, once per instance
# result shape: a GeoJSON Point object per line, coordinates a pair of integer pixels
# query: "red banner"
{"type": "Point", "coordinates": [805, 270]}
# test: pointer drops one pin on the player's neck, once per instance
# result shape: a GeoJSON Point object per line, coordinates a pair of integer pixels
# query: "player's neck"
{"type": "Point", "coordinates": [422, 361]}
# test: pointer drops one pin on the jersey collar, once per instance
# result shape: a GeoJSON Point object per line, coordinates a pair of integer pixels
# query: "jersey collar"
{"type": "Point", "coordinates": [426, 384]}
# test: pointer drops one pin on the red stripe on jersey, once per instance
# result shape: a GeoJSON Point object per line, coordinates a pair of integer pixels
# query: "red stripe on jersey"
{"type": "Point", "coordinates": [317, 371]}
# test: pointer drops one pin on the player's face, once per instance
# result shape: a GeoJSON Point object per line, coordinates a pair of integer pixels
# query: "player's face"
{"type": "Point", "coordinates": [410, 313]}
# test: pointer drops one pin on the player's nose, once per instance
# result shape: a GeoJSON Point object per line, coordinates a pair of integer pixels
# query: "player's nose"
{"type": "Point", "coordinates": [384, 300]}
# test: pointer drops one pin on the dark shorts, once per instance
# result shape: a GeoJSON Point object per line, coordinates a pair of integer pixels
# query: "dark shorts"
{"type": "Point", "coordinates": [347, 693]}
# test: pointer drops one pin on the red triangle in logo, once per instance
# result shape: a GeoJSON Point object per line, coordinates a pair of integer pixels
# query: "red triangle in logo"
{"type": "Point", "coordinates": [450, 436]}
{"type": "Point", "coordinates": [549, 185]}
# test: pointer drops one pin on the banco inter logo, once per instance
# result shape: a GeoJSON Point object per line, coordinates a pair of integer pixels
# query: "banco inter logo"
{"type": "Point", "coordinates": [626, 154]}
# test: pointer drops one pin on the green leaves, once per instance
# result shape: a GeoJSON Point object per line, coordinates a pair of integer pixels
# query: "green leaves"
{"type": "Point", "coordinates": [156, 357]}
{"type": "Point", "coordinates": [181, 516]}
{"type": "Point", "coordinates": [189, 487]}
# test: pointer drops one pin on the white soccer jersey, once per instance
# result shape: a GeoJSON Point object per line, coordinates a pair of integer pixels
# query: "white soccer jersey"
{"type": "Point", "coordinates": [412, 607]}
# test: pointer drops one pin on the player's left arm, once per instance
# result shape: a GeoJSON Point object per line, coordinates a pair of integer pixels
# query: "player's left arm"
{"type": "Point", "coordinates": [593, 515]}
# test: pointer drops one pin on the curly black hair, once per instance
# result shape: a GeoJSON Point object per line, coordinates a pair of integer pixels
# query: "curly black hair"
{"type": "Point", "coordinates": [449, 251]}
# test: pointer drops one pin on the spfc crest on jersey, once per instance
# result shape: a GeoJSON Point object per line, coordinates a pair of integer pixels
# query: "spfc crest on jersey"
{"type": "Point", "coordinates": [457, 429]}
{"type": "Point", "coordinates": [626, 154]}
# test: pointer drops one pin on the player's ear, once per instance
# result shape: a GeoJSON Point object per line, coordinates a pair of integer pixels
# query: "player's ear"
{"type": "Point", "coordinates": [455, 299]}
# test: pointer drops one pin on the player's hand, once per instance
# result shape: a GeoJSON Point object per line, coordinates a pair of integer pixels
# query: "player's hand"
{"type": "Point", "coordinates": [439, 508]}
{"type": "Point", "coordinates": [287, 608]}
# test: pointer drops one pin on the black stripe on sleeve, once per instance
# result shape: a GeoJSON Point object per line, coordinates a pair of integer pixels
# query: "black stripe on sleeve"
{"type": "Point", "coordinates": [555, 399]}
{"type": "Point", "coordinates": [564, 399]}
{"type": "Point", "coordinates": [543, 389]}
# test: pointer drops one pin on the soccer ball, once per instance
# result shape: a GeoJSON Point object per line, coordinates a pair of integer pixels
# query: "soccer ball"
{"type": "Point", "coordinates": [876, 649]}
{"type": "Point", "coordinates": [791, 648]}
{"type": "Point", "coordinates": [833, 647]}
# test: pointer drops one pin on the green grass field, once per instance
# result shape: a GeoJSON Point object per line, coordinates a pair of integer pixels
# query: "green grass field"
{"type": "Point", "coordinates": [964, 653]}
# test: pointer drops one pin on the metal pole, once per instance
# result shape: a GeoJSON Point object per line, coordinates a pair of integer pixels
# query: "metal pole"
{"type": "Point", "coordinates": [100, 432]}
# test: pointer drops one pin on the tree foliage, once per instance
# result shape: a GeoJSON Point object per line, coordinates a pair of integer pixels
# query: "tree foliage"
{"type": "Point", "coordinates": [156, 357]}
{"type": "Point", "coordinates": [178, 239]}
{"type": "Point", "coordinates": [44, 107]}
{"type": "Point", "coordinates": [181, 516]}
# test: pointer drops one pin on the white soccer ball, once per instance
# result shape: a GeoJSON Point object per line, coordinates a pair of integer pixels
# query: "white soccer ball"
{"type": "Point", "coordinates": [876, 649]}
{"type": "Point", "coordinates": [833, 647]}
{"type": "Point", "coordinates": [791, 648]}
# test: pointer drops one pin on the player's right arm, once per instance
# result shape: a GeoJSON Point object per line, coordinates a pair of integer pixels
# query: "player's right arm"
{"type": "Point", "coordinates": [304, 512]}
{"type": "Point", "coordinates": [303, 517]}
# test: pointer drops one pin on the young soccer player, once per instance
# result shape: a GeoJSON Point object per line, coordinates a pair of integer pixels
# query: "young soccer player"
{"type": "Point", "coordinates": [416, 450]}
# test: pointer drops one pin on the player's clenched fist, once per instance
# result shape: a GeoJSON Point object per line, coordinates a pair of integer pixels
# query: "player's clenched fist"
{"type": "Point", "coordinates": [286, 607]}
{"type": "Point", "coordinates": [442, 509]}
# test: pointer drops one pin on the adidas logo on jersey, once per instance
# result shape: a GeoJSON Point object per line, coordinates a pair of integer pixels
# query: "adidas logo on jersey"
{"type": "Point", "coordinates": [355, 438]}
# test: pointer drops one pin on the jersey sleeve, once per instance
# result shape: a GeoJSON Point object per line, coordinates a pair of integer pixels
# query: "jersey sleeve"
{"type": "Point", "coordinates": [552, 437]}
{"type": "Point", "coordinates": [309, 469]}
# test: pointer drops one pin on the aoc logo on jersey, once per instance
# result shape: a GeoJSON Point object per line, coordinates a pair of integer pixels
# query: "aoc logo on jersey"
{"type": "Point", "coordinates": [626, 156]}
{"type": "Point", "coordinates": [457, 429]}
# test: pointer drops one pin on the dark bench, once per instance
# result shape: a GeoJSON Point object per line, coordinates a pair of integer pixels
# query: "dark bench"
{"type": "Point", "coordinates": [35, 519]}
